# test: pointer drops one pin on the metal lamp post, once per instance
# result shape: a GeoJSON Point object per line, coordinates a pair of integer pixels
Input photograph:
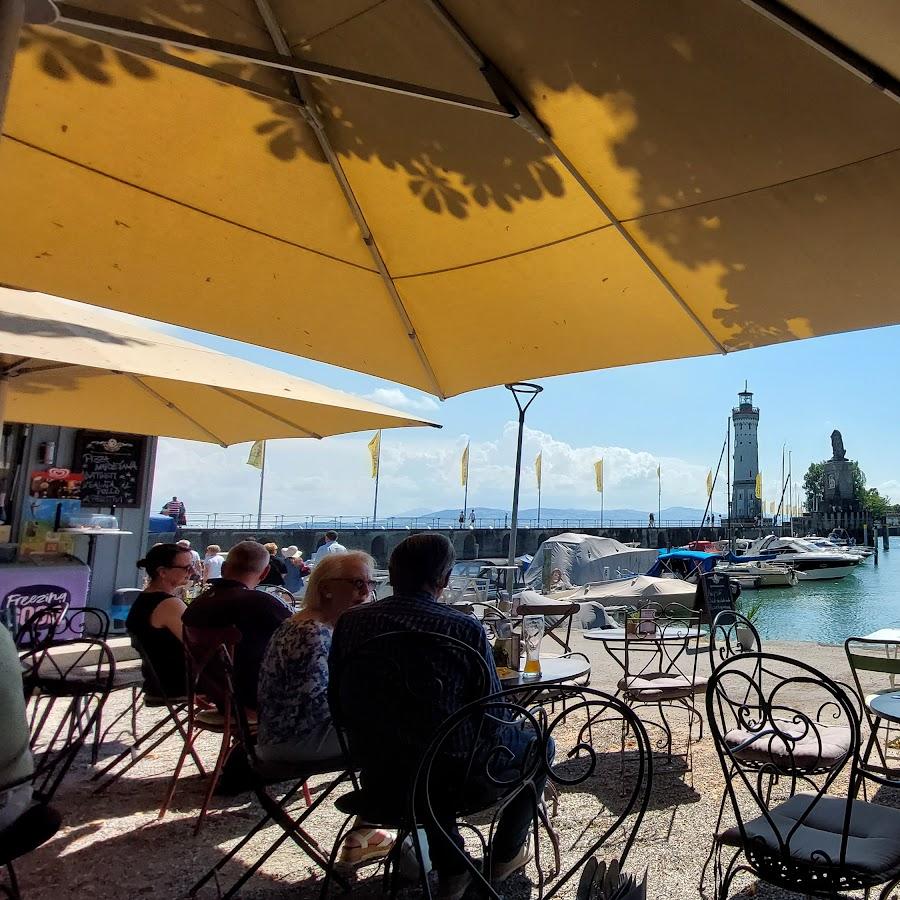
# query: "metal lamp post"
{"type": "Point", "coordinates": [524, 394]}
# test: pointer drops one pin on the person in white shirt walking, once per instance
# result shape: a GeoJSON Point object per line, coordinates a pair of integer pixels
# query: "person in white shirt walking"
{"type": "Point", "coordinates": [212, 562]}
{"type": "Point", "coordinates": [331, 545]}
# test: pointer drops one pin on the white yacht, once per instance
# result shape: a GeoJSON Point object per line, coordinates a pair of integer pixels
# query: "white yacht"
{"type": "Point", "coordinates": [860, 550]}
{"type": "Point", "coordinates": [808, 560]}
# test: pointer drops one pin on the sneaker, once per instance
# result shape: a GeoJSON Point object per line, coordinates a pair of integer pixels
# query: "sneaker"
{"type": "Point", "coordinates": [454, 887]}
{"type": "Point", "coordinates": [502, 870]}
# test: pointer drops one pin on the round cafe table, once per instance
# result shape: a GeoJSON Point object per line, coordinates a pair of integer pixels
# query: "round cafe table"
{"type": "Point", "coordinates": [886, 706]}
{"type": "Point", "coordinates": [554, 670]}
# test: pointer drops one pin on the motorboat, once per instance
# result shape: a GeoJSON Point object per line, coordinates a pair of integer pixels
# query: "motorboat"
{"type": "Point", "coordinates": [809, 561]}
{"type": "Point", "coordinates": [572, 559]}
{"type": "Point", "coordinates": [628, 591]}
{"type": "Point", "coordinates": [829, 543]}
{"type": "Point", "coordinates": [759, 574]}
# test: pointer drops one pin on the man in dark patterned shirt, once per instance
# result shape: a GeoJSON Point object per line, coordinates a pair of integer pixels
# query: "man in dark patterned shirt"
{"type": "Point", "coordinates": [419, 571]}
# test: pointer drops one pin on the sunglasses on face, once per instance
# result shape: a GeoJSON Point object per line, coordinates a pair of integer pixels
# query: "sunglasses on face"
{"type": "Point", "coordinates": [359, 584]}
{"type": "Point", "coordinates": [183, 568]}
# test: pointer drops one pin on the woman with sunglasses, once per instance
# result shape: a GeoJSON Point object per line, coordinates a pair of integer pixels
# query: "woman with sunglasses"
{"type": "Point", "coordinates": [294, 718]}
{"type": "Point", "coordinates": [155, 618]}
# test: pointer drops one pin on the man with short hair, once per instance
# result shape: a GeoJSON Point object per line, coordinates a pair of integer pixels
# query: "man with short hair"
{"type": "Point", "coordinates": [234, 600]}
{"type": "Point", "coordinates": [331, 545]}
{"type": "Point", "coordinates": [419, 571]}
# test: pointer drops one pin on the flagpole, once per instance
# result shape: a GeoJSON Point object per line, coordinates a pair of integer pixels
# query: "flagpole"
{"type": "Point", "coordinates": [377, 477]}
{"type": "Point", "coordinates": [659, 497]}
{"type": "Point", "coordinates": [466, 492]}
{"type": "Point", "coordinates": [262, 481]}
{"type": "Point", "coordinates": [601, 507]}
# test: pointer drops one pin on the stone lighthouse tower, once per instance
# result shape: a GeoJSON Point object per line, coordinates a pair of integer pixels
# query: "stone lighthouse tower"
{"type": "Point", "coordinates": [746, 458]}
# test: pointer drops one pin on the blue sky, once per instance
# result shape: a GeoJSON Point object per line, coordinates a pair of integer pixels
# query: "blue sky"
{"type": "Point", "coordinates": [671, 412]}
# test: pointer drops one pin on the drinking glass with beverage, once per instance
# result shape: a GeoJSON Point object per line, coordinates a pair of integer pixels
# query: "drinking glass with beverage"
{"type": "Point", "coordinates": [532, 633]}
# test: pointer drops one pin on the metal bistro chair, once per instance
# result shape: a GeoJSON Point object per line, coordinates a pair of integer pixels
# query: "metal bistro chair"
{"type": "Point", "coordinates": [75, 624]}
{"type": "Point", "coordinates": [487, 779]}
{"type": "Point", "coordinates": [278, 809]}
{"type": "Point", "coordinates": [660, 662]}
{"type": "Point", "coordinates": [206, 681]}
{"type": "Point", "coordinates": [82, 681]}
{"type": "Point", "coordinates": [814, 842]}
{"type": "Point", "coordinates": [280, 593]}
{"type": "Point", "coordinates": [151, 695]}
{"type": "Point", "coordinates": [879, 657]}
{"type": "Point", "coordinates": [402, 674]}
{"type": "Point", "coordinates": [558, 614]}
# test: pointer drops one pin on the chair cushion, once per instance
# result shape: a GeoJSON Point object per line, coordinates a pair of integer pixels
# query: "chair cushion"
{"type": "Point", "coordinates": [817, 748]}
{"type": "Point", "coordinates": [662, 686]}
{"type": "Point", "coordinates": [34, 827]}
{"type": "Point", "coordinates": [210, 719]}
{"type": "Point", "coordinates": [873, 847]}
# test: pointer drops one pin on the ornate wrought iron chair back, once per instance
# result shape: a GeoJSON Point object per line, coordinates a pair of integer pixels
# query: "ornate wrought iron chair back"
{"type": "Point", "coordinates": [83, 683]}
{"type": "Point", "coordinates": [730, 634]}
{"type": "Point", "coordinates": [383, 696]}
{"type": "Point", "coordinates": [564, 751]}
{"type": "Point", "coordinates": [666, 641]}
{"type": "Point", "coordinates": [660, 662]}
{"type": "Point", "coordinates": [766, 715]}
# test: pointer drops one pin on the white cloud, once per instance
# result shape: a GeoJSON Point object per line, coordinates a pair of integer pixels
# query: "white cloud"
{"type": "Point", "coordinates": [419, 469]}
{"type": "Point", "coordinates": [889, 488]}
{"type": "Point", "coordinates": [401, 400]}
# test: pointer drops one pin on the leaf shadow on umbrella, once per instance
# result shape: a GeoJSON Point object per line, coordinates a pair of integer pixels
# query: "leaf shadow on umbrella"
{"type": "Point", "coordinates": [649, 72]}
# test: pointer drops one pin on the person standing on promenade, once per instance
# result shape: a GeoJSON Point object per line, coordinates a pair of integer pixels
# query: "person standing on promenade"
{"type": "Point", "coordinates": [175, 510]}
{"type": "Point", "coordinates": [331, 545]}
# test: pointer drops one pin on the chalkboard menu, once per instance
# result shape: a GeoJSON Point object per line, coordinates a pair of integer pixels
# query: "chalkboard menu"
{"type": "Point", "coordinates": [714, 595]}
{"type": "Point", "coordinates": [112, 467]}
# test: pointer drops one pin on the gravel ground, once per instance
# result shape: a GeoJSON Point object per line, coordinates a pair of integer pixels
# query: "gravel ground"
{"type": "Point", "coordinates": [113, 845]}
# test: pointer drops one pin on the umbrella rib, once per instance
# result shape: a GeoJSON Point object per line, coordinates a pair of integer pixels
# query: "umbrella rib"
{"type": "Point", "coordinates": [169, 405]}
{"type": "Point", "coordinates": [266, 412]}
{"type": "Point", "coordinates": [151, 51]}
{"type": "Point", "coordinates": [318, 128]}
{"type": "Point", "coordinates": [78, 16]}
{"type": "Point", "coordinates": [800, 27]}
{"type": "Point", "coordinates": [505, 92]}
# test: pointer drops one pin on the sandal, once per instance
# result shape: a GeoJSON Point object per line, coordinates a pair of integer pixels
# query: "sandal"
{"type": "Point", "coordinates": [365, 844]}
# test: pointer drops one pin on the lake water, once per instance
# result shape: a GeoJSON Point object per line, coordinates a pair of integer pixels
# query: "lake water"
{"type": "Point", "coordinates": [830, 611]}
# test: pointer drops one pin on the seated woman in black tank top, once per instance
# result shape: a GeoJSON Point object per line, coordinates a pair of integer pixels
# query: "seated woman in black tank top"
{"type": "Point", "coordinates": [155, 619]}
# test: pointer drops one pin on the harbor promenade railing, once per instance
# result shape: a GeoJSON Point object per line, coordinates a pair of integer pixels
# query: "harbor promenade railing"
{"type": "Point", "coordinates": [286, 522]}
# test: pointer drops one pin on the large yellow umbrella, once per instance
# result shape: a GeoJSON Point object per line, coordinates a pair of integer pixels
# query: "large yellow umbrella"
{"type": "Point", "coordinates": [459, 195]}
{"type": "Point", "coordinates": [64, 363]}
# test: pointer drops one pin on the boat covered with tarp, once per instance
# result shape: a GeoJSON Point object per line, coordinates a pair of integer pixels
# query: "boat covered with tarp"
{"type": "Point", "coordinates": [571, 559]}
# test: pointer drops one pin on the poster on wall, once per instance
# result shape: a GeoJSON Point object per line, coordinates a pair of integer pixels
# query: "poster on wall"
{"type": "Point", "coordinates": [111, 466]}
{"type": "Point", "coordinates": [55, 483]}
{"type": "Point", "coordinates": [38, 527]}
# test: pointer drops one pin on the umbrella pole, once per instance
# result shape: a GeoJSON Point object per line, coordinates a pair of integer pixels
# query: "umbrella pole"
{"type": "Point", "coordinates": [519, 390]}
{"type": "Point", "coordinates": [4, 395]}
{"type": "Point", "coordinates": [12, 17]}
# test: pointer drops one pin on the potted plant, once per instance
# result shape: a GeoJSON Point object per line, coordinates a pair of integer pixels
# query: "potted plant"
{"type": "Point", "coordinates": [632, 622]}
{"type": "Point", "coordinates": [744, 634]}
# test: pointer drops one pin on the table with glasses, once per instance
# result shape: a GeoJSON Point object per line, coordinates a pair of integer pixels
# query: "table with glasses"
{"type": "Point", "coordinates": [554, 670]}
